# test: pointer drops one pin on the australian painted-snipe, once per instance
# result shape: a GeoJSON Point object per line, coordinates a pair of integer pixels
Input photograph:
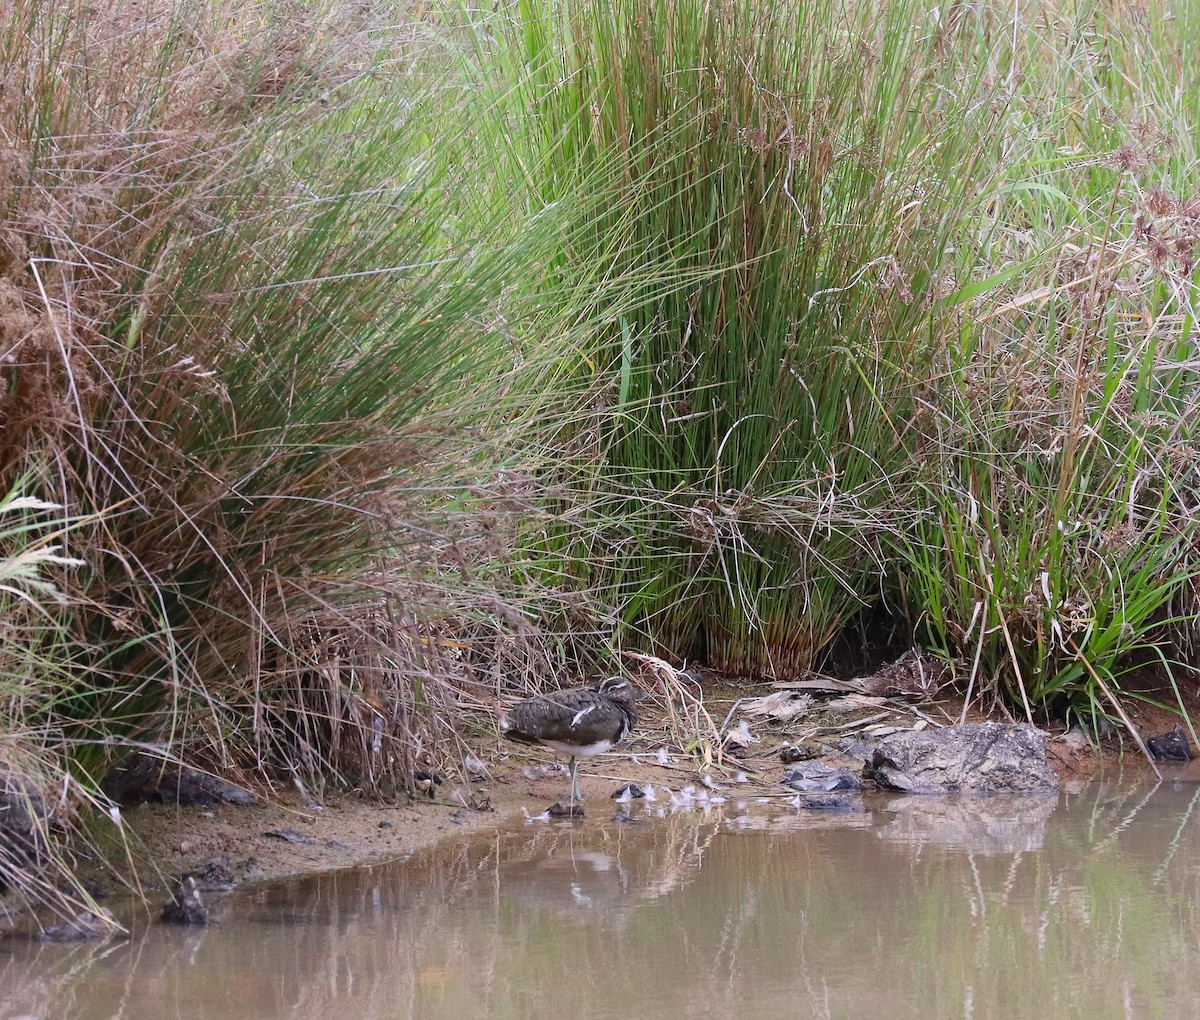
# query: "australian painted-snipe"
{"type": "Point", "coordinates": [579, 722]}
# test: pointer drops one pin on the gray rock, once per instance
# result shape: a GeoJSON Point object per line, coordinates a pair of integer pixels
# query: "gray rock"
{"type": "Point", "coordinates": [99, 924]}
{"type": "Point", "coordinates": [817, 777]}
{"type": "Point", "coordinates": [854, 747]}
{"type": "Point", "coordinates": [214, 875]}
{"type": "Point", "coordinates": [144, 777]}
{"type": "Point", "coordinates": [971, 758]}
{"type": "Point", "coordinates": [560, 810]}
{"type": "Point", "coordinates": [832, 802]}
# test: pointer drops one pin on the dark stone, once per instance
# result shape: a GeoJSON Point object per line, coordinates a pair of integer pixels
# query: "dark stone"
{"type": "Point", "coordinates": [831, 802]}
{"type": "Point", "coordinates": [798, 752]}
{"type": "Point", "coordinates": [289, 835]}
{"type": "Point", "coordinates": [214, 875]}
{"type": "Point", "coordinates": [425, 782]}
{"type": "Point", "coordinates": [632, 789]}
{"type": "Point", "coordinates": [81, 928]}
{"type": "Point", "coordinates": [560, 810]}
{"type": "Point", "coordinates": [1171, 746]}
{"type": "Point", "coordinates": [853, 747]}
{"type": "Point", "coordinates": [460, 816]}
{"type": "Point", "coordinates": [808, 770]}
{"type": "Point", "coordinates": [385, 825]}
{"type": "Point", "coordinates": [250, 868]}
{"type": "Point", "coordinates": [144, 777]}
{"type": "Point", "coordinates": [624, 819]}
{"type": "Point", "coordinates": [817, 777]}
{"type": "Point", "coordinates": [972, 758]}
{"type": "Point", "coordinates": [186, 905]}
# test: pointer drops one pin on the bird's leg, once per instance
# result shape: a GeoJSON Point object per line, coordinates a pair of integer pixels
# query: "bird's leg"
{"type": "Point", "coordinates": [575, 794]}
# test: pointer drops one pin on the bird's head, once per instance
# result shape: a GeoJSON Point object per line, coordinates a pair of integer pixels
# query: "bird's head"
{"type": "Point", "coordinates": [619, 690]}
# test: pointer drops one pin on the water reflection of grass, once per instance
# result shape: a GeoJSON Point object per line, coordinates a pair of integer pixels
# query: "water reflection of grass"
{"type": "Point", "coordinates": [1087, 925]}
{"type": "Point", "coordinates": [690, 916]}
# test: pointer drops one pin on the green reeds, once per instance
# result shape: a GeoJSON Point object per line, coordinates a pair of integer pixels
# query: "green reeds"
{"type": "Point", "coordinates": [39, 677]}
{"type": "Point", "coordinates": [1058, 433]}
{"type": "Point", "coordinates": [781, 183]}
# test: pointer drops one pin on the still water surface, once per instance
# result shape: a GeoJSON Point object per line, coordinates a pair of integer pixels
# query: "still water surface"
{"type": "Point", "coordinates": [1085, 905]}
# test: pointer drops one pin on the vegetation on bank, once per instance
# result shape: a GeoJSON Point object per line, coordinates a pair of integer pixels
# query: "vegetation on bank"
{"type": "Point", "coordinates": [361, 366]}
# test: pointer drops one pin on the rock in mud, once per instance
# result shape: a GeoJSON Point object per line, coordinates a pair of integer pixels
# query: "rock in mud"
{"type": "Point", "coordinates": [89, 924]}
{"type": "Point", "coordinates": [817, 777]}
{"type": "Point", "coordinates": [1171, 746]}
{"type": "Point", "coordinates": [290, 835]}
{"type": "Point", "coordinates": [214, 875]}
{"type": "Point", "coordinates": [855, 747]}
{"type": "Point", "coordinates": [560, 810]}
{"type": "Point", "coordinates": [144, 777]}
{"type": "Point", "coordinates": [426, 782]}
{"type": "Point", "coordinates": [630, 791]}
{"type": "Point", "coordinates": [831, 802]}
{"type": "Point", "coordinates": [798, 752]}
{"type": "Point", "coordinates": [969, 758]}
{"type": "Point", "coordinates": [186, 905]}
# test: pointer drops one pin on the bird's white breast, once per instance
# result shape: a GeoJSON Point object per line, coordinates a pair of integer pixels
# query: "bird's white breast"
{"type": "Point", "coordinates": [579, 750]}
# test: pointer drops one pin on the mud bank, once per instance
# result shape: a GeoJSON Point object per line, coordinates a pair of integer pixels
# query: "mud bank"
{"type": "Point", "coordinates": [285, 838]}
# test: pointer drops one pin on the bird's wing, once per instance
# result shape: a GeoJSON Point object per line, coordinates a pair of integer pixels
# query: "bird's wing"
{"type": "Point", "coordinates": [568, 716]}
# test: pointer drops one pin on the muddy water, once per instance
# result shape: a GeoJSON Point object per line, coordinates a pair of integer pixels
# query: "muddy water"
{"type": "Point", "coordinates": [1085, 905]}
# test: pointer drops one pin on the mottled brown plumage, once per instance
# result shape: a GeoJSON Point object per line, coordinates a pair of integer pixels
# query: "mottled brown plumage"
{"type": "Point", "coordinates": [578, 722]}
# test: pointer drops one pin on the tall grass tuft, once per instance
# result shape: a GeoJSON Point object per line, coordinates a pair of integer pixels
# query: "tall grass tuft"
{"type": "Point", "coordinates": [39, 675]}
{"type": "Point", "coordinates": [781, 187]}
{"type": "Point", "coordinates": [236, 302]}
{"type": "Point", "coordinates": [1059, 427]}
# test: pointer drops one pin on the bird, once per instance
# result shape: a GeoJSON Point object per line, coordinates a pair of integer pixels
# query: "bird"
{"type": "Point", "coordinates": [578, 721]}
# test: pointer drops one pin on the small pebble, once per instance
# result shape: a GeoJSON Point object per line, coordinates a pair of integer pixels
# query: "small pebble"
{"type": "Point", "coordinates": [561, 810]}
{"type": "Point", "coordinates": [290, 835]}
{"type": "Point", "coordinates": [86, 925]}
